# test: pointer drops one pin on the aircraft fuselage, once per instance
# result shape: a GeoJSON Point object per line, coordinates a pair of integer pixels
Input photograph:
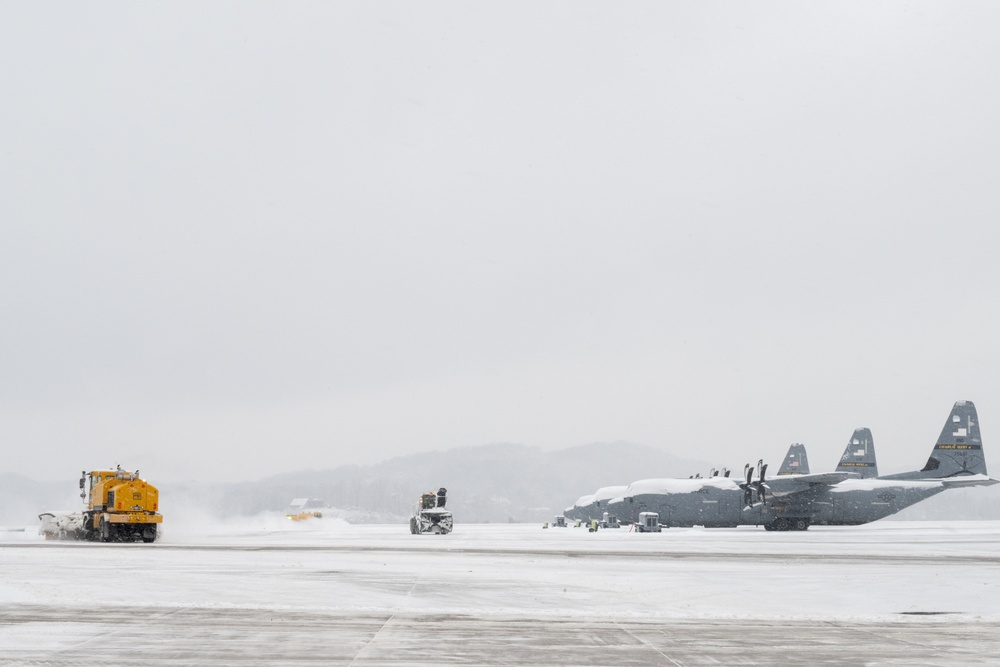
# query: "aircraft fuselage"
{"type": "Point", "coordinates": [718, 503]}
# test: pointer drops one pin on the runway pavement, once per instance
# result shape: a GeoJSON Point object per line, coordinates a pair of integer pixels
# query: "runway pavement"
{"type": "Point", "coordinates": [203, 636]}
{"type": "Point", "coordinates": [510, 595]}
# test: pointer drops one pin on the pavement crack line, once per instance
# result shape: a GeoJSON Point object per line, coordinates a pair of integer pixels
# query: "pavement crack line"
{"type": "Point", "coordinates": [416, 580]}
{"type": "Point", "coordinates": [371, 640]}
{"type": "Point", "coordinates": [896, 640]}
{"type": "Point", "coordinates": [111, 632]}
{"type": "Point", "coordinates": [646, 643]}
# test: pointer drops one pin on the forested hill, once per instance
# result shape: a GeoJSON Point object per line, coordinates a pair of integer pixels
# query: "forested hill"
{"type": "Point", "coordinates": [500, 482]}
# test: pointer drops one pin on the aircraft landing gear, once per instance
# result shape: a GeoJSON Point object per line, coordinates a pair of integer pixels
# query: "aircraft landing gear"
{"type": "Point", "coordinates": [787, 524]}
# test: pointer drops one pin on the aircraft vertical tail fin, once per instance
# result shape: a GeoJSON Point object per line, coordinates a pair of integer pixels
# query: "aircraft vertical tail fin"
{"type": "Point", "coordinates": [959, 448]}
{"type": "Point", "coordinates": [796, 462]}
{"type": "Point", "coordinates": [859, 456]}
{"type": "Point", "coordinates": [958, 451]}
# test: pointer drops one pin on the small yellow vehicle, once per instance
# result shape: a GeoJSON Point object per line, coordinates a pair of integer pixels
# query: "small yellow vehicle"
{"type": "Point", "coordinates": [303, 509]}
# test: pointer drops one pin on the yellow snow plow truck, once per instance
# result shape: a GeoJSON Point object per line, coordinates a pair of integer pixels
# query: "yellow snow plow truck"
{"type": "Point", "coordinates": [121, 507]}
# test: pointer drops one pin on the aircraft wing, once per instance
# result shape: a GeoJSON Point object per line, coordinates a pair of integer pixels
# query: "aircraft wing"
{"type": "Point", "coordinates": [826, 477]}
{"type": "Point", "coordinates": [787, 484]}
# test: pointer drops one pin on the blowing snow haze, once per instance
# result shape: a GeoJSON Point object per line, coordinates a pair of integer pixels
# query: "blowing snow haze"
{"type": "Point", "coordinates": [240, 240]}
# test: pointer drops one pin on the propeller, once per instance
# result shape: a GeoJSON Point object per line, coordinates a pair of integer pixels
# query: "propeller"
{"type": "Point", "coordinates": [761, 486]}
{"type": "Point", "coordinates": [747, 488]}
{"type": "Point", "coordinates": [751, 487]}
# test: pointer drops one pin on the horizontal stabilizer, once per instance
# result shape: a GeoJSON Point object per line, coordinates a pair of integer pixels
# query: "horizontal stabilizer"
{"type": "Point", "coordinates": [970, 480]}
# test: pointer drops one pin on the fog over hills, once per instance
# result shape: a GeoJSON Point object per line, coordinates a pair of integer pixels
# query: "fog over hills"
{"type": "Point", "coordinates": [487, 483]}
{"type": "Point", "coordinates": [22, 498]}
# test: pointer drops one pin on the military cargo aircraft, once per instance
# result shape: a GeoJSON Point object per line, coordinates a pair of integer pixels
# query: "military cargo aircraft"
{"type": "Point", "coordinates": [844, 497]}
{"type": "Point", "coordinates": [595, 505]}
{"type": "Point", "coordinates": [796, 463]}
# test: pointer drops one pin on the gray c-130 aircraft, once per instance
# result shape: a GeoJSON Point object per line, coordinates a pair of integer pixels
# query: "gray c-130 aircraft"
{"type": "Point", "coordinates": [851, 495]}
{"type": "Point", "coordinates": [608, 498]}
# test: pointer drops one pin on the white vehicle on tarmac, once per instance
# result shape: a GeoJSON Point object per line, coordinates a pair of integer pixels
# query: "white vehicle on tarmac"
{"type": "Point", "coordinates": [430, 516]}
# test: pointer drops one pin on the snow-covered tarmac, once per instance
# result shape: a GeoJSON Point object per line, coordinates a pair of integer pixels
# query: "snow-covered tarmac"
{"type": "Point", "coordinates": [269, 592]}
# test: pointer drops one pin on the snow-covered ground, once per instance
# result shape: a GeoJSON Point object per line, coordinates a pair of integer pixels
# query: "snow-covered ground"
{"type": "Point", "coordinates": [270, 591]}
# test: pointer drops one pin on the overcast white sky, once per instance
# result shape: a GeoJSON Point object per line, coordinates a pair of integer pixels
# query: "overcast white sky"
{"type": "Point", "coordinates": [259, 237]}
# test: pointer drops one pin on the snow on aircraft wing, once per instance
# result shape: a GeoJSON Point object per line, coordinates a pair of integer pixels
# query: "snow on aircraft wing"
{"type": "Point", "coordinates": [968, 480]}
{"type": "Point", "coordinates": [825, 477]}
{"type": "Point", "coordinates": [783, 486]}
